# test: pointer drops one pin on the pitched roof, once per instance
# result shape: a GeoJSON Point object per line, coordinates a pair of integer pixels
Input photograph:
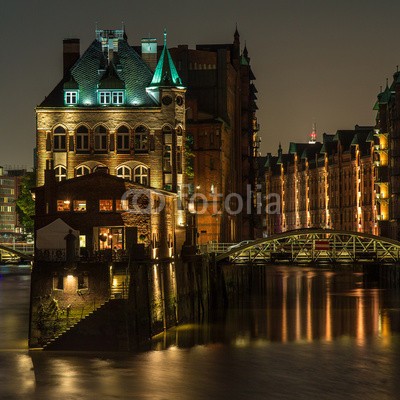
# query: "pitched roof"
{"type": "Point", "coordinates": [92, 68]}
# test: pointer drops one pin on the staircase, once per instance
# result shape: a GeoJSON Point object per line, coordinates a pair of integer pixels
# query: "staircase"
{"type": "Point", "coordinates": [102, 329]}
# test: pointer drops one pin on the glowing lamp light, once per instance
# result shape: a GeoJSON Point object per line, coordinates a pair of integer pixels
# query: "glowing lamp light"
{"type": "Point", "coordinates": [70, 277]}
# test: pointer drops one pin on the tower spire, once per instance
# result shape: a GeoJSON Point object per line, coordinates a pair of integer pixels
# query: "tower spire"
{"type": "Point", "coordinates": [313, 134]}
{"type": "Point", "coordinates": [165, 36]}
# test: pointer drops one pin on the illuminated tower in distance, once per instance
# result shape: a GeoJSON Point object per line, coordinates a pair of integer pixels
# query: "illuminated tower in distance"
{"type": "Point", "coordinates": [313, 135]}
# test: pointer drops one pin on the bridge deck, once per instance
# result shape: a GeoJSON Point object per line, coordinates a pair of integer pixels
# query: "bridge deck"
{"type": "Point", "coordinates": [313, 246]}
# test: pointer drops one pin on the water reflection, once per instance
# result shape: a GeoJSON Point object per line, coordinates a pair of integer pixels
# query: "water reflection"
{"type": "Point", "coordinates": [303, 333]}
{"type": "Point", "coordinates": [301, 305]}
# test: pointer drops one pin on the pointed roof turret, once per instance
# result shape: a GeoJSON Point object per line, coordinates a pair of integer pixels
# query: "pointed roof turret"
{"type": "Point", "coordinates": [165, 74]}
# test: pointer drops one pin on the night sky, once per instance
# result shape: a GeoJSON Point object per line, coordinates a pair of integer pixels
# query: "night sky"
{"type": "Point", "coordinates": [314, 60]}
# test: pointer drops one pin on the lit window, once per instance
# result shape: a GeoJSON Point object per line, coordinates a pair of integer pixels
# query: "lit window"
{"type": "Point", "coordinates": [105, 205]}
{"type": "Point", "coordinates": [118, 97]}
{"type": "Point", "coordinates": [59, 139]}
{"type": "Point", "coordinates": [82, 241]}
{"type": "Point", "coordinates": [82, 139]}
{"type": "Point", "coordinates": [123, 137]}
{"type": "Point", "coordinates": [141, 135]}
{"type": "Point", "coordinates": [140, 175]}
{"type": "Point", "coordinates": [122, 205]}
{"type": "Point", "coordinates": [63, 205]}
{"type": "Point", "coordinates": [61, 173]}
{"type": "Point", "coordinates": [71, 97]}
{"type": "Point", "coordinates": [83, 170]}
{"type": "Point", "coordinates": [100, 138]}
{"type": "Point", "coordinates": [79, 205]}
{"type": "Point", "coordinates": [104, 98]}
{"type": "Point", "coordinates": [124, 172]}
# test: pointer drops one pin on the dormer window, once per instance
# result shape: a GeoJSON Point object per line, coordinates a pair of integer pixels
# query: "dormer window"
{"type": "Point", "coordinates": [105, 98]}
{"type": "Point", "coordinates": [114, 97]}
{"type": "Point", "coordinates": [118, 97]}
{"type": "Point", "coordinates": [71, 97]}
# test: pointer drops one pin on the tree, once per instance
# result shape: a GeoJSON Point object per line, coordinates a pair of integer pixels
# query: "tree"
{"type": "Point", "coordinates": [25, 203]}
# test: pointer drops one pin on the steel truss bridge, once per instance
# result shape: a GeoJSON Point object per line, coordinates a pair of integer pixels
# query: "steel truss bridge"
{"type": "Point", "coordinates": [312, 246]}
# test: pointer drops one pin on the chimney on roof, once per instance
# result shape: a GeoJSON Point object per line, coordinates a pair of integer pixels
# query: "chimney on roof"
{"type": "Point", "coordinates": [149, 52]}
{"type": "Point", "coordinates": [71, 53]}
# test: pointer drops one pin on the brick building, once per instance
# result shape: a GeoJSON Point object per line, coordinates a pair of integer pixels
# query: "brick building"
{"type": "Point", "coordinates": [221, 119]}
{"type": "Point", "coordinates": [388, 159]}
{"type": "Point", "coordinates": [112, 111]}
{"type": "Point", "coordinates": [9, 192]}
{"type": "Point", "coordinates": [328, 184]}
{"type": "Point", "coordinates": [106, 210]}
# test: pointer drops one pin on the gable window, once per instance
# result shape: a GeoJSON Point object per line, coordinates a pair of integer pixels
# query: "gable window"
{"type": "Point", "coordinates": [118, 97]}
{"type": "Point", "coordinates": [59, 139]}
{"type": "Point", "coordinates": [141, 136]}
{"type": "Point", "coordinates": [61, 173]}
{"type": "Point", "coordinates": [115, 97]}
{"type": "Point", "coordinates": [124, 172]}
{"type": "Point", "coordinates": [83, 170]}
{"type": "Point", "coordinates": [82, 139]}
{"type": "Point", "coordinates": [71, 97]}
{"type": "Point", "coordinates": [100, 138]}
{"type": "Point", "coordinates": [104, 98]}
{"type": "Point", "coordinates": [123, 137]}
{"type": "Point", "coordinates": [140, 175]}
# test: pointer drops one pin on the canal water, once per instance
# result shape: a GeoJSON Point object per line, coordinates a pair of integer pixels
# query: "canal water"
{"type": "Point", "coordinates": [307, 333]}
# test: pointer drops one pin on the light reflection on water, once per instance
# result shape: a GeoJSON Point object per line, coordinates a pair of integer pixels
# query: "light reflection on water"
{"type": "Point", "coordinates": [310, 332]}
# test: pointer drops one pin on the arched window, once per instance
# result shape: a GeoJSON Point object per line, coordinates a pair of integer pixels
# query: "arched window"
{"type": "Point", "coordinates": [167, 129]}
{"type": "Point", "coordinates": [140, 175]}
{"type": "Point", "coordinates": [124, 172]}
{"type": "Point", "coordinates": [167, 166]}
{"type": "Point", "coordinates": [100, 138]}
{"type": "Point", "coordinates": [83, 170]}
{"type": "Point", "coordinates": [141, 139]}
{"type": "Point", "coordinates": [123, 137]}
{"type": "Point", "coordinates": [82, 139]}
{"type": "Point", "coordinates": [59, 139]}
{"type": "Point", "coordinates": [61, 173]}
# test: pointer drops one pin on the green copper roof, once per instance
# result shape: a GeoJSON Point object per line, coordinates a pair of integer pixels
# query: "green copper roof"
{"type": "Point", "coordinates": [71, 84]}
{"type": "Point", "coordinates": [165, 73]}
{"type": "Point", "coordinates": [110, 79]}
{"type": "Point", "coordinates": [90, 73]}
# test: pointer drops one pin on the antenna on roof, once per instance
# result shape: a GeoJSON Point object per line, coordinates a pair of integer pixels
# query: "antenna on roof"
{"type": "Point", "coordinates": [313, 134]}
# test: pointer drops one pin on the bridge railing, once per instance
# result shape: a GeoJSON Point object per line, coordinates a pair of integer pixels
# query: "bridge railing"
{"type": "Point", "coordinates": [217, 248]}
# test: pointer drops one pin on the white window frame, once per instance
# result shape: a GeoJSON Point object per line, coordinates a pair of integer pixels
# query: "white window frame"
{"type": "Point", "coordinates": [104, 97]}
{"type": "Point", "coordinates": [118, 97]}
{"type": "Point", "coordinates": [141, 175]}
{"type": "Point", "coordinates": [60, 172]}
{"type": "Point", "coordinates": [71, 97]}
{"type": "Point", "coordinates": [85, 170]}
{"type": "Point", "coordinates": [124, 172]}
